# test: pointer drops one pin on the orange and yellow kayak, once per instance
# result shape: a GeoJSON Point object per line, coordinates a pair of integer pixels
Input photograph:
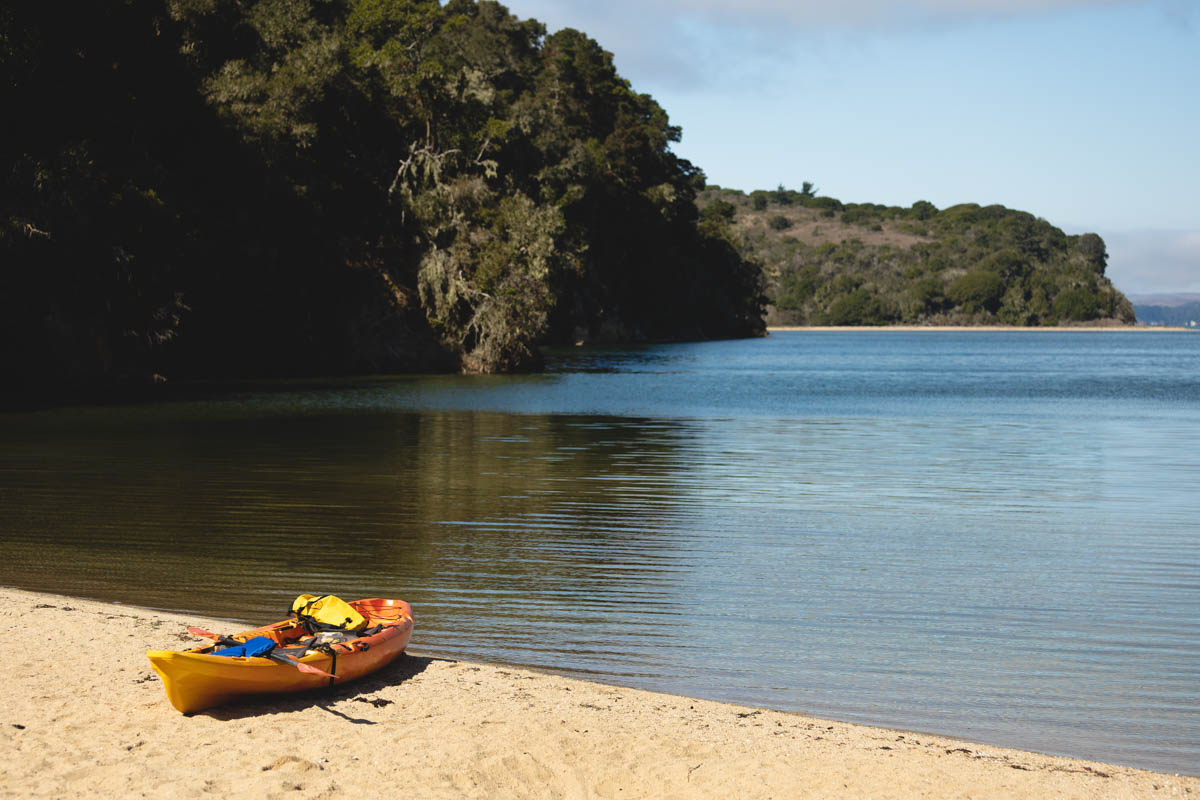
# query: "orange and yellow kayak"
{"type": "Point", "coordinates": [197, 679]}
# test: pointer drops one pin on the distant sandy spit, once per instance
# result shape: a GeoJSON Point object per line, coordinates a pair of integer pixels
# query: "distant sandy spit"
{"type": "Point", "coordinates": [84, 716]}
{"type": "Point", "coordinates": [1006, 328]}
{"type": "Point", "coordinates": [1060, 329]}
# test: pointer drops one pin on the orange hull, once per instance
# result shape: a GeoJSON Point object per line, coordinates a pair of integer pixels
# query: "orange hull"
{"type": "Point", "coordinates": [195, 679]}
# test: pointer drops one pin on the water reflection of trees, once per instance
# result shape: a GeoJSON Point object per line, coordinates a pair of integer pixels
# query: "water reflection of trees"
{"type": "Point", "coordinates": [477, 514]}
{"type": "Point", "coordinates": [537, 515]}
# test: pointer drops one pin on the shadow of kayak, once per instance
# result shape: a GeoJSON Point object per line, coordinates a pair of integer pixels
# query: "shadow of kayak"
{"type": "Point", "coordinates": [402, 669]}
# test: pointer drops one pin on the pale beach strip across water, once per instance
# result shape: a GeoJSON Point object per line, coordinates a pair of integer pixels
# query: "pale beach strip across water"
{"type": "Point", "coordinates": [989, 328]}
{"type": "Point", "coordinates": [84, 716]}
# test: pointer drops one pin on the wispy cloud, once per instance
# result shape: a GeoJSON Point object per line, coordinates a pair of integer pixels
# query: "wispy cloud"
{"type": "Point", "coordinates": [694, 43]}
{"type": "Point", "coordinates": [805, 13]}
{"type": "Point", "coordinates": [1154, 261]}
{"type": "Point", "coordinates": [647, 20]}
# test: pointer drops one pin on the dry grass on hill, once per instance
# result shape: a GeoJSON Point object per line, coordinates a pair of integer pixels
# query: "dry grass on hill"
{"type": "Point", "coordinates": [811, 228]}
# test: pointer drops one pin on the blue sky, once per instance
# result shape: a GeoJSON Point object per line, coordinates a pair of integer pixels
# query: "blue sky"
{"type": "Point", "coordinates": [1084, 112]}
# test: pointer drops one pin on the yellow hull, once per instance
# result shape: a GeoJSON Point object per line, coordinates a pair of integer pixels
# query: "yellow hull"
{"type": "Point", "coordinates": [196, 680]}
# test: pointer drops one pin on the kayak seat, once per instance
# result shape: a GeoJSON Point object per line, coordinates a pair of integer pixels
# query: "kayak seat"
{"type": "Point", "coordinates": [258, 646]}
{"type": "Point", "coordinates": [297, 648]}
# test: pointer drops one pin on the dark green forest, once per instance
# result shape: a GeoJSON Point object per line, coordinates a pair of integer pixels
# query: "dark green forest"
{"type": "Point", "coordinates": [200, 188]}
{"type": "Point", "coordinates": [833, 263]}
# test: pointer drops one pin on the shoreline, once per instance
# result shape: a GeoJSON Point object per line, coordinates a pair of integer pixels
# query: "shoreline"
{"type": "Point", "coordinates": [94, 721]}
{"type": "Point", "coordinates": [990, 328]}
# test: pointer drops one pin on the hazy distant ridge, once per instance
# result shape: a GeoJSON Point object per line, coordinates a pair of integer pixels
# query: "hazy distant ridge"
{"type": "Point", "coordinates": [1170, 299]}
{"type": "Point", "coordinates": [1186, 315]}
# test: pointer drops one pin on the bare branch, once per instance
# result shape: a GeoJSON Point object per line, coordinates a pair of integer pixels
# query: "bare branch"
{"type": "Point", "coordinates": [486, 143]}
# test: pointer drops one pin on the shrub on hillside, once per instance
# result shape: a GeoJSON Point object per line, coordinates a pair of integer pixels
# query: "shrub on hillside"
{"type": "Point", "coordinates": [1092, 247]}
{"type": "Point", "coordinates": [980, 290]}
{"type": "Point", "coordinates": [1077, 305]}
{"type": "Point", "coordinates": [719, 210]}
{"type": "Point", "coordinates": [858, 307]}
{"type": "Point", "coordinates": [922, 209]}
{"type": "Point", "coordinates": [927, 295]}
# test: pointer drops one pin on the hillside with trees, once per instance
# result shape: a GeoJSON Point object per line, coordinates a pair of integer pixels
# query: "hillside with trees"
{"type": "Point", "coordinates": [833, 263]}
{"type": "Point", "coordinates": [221, 187]}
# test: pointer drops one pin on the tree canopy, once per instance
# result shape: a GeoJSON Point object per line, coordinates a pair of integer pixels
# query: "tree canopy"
{"type": "Point", "coordinates": [218, 187]}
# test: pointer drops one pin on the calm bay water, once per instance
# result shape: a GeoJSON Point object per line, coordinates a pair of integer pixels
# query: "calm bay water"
{"type": "Point", "coordinates": [988, 535]}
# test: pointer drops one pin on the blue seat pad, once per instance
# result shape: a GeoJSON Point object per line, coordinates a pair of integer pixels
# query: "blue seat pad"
{"type": "Point", "coordinates": [259, 645]}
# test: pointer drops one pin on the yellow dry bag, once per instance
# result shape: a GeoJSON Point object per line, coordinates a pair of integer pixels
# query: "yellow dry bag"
{"type": "Point", "coordinates": [324, 612]}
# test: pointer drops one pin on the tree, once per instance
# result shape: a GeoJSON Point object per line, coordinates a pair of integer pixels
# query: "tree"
{"type": "Point", "coordinates": [923, 210]}
{"type": "Point", "coordinates": [796, 288]}
{"type": "Point", "coordinates": [980, 290]}
{"type": "Point", "coordinates": [927, 295]}
{"type": "Point", "coordinates": [1092, 247]}
{"type": "Point", "coordinates": [1008, 263]}
{"type": "Point", "coordinates": [1077, 305]}
{"type": "Point", "coordinates": [858, 307]}
{"type": "Point", "coordinates": [719, 210]}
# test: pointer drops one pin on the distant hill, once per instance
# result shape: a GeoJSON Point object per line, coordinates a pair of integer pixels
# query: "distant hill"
{"type": "Point", "coordinates": [1169, 299]}
{"type": "Point", "coordinates": [1186, 315]}
{"type": "Point", "coordinates": [831, 263]}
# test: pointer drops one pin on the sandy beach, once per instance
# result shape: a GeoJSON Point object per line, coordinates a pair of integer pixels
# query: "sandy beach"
{"type": "Point", "coordinates": [84, 716]}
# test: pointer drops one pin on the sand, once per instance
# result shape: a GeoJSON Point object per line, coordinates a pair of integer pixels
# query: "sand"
{"type": "Point", "coordinates": [83, 716]}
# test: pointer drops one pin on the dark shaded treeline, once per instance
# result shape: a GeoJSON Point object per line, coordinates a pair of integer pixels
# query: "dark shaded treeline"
{"type": "Point", "coordinates": [222, 188]}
